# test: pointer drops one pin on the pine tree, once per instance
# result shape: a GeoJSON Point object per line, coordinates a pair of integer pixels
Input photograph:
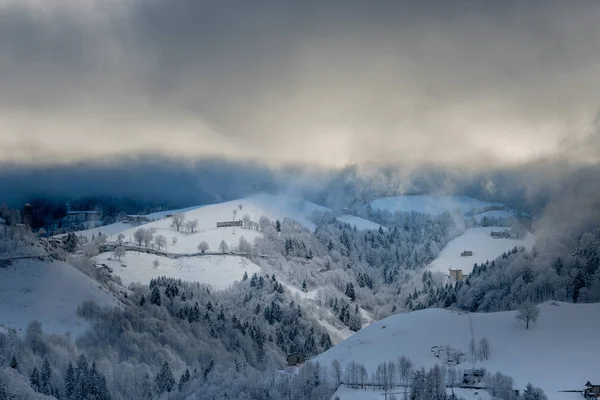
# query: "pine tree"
{"type": "Point", "coordinates": [35, 380]}
{"type": "Point", "coordinates": [45, 376]}
{"type": "Point", "coordinates": [165, 379]}
{"type": "Point", "coordinates": [245, 277]}
{"type": "Point", "coordinates": [278, 226]}
{"type": "Point", "coordinates": [3, 394]}
{"type": "Point", "coordinates": [13, 363]}
{"type": "Point", "coordinates": [350, 291]}
{"type": "Point", "coordinates": [155, 296]}
{"type": "Point", "coordinates": [185, 377]}
{"type": "Point", "coordinates": [209, 368]}
{"type": "Point", "coordinates": [304, 286]}
{"type": "Point", "coordinates": [70, 382]}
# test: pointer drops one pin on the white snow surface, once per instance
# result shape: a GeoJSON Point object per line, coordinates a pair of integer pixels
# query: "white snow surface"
{"type": "Point", "coordinates": [430, 204]}
{"type": "Point", "coordinates": [483, 246]}
{"type": "Point", "coordinates": [361, 224]}
{"type": "Point", "coordinates": [553, 354]}
{"type": "Point", "coordinates": [494, 214]}
{"type": "Point", "coordinates": [217, 271]}
{"type": "Point", "coordinates": [49, 292]}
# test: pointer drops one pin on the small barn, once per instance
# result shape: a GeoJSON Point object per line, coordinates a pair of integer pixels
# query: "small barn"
{"type": "Point", "coordinates": [466, 253]}
{"type": "Point", "coordinates": [591, 391]}
{"type": "Point", "coordinates": [473, 377]}
{"type": "Point", "coordinates": [456, 275]}
{"type": "Point", "coordinates": [226, 224]}
{"type": "Point", "coordinates": [296, 359]}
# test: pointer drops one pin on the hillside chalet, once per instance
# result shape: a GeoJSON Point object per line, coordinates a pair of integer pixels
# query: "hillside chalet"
{"type": "Point", "coordinates": [456, 275]}
{"type": "Point", "coordinates": [500, 234]}
{"type": "Point", "coordinates": [466, 253]}
{"type": "Point", "coordinates": [226, 224]}
{"type": "Point", "coordinates": [591, 391]}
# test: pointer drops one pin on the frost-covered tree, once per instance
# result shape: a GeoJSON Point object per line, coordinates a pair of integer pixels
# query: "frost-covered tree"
{"type": "Point", "coordinates": [484, 349]}
{"type": "Point", "coordinates": [140, 235]}
{"type": "Point", "coordinates": [191, 225]}
{"type": "Point", "coordinates": [203, 246]}
{"type": "Point", "coordinates": [174, 240]}
{"type": "Point", "coordinates": [160, 241]}
{"type": "Point", "coordinates": [244, 246]}
{"type": "Point", "coordinates": [165, 379]}
{"type": "Point", "coordinates": [119, 252]}
{"type": "Point", "coordinates": [529, 313]}
{"type": "Point", "coordinates": [120, 238]}
{"type": "Point", "coordinates": [177, 220]}
{"type": "Point", "coordinates": [155, 296]}
{"type": "Point", "coordinates": [223, 248]}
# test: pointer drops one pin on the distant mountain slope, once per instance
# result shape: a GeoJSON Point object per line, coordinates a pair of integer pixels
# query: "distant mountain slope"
{"type": "Point", "coordinates": [553, 354]}
{"type": "Point", "coordinates": [360, 223]}
{"type": "Point", "coordinates": [430, 204]}
{"type": "Point", "coordinates": [484, 248]}
{"type": "Point", "coordinates": [49, 292]}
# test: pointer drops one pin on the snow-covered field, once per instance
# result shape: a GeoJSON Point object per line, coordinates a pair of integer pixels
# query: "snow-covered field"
{"type": "Point", "coordinates": [360, 223]}
{"type": "Point", "coordinates": [430, 204]}
{"type": "Point", "coordinates": [553, 354]}
{"type": "Point", "coordinates": [49, 292]}
{"type": "Point", "coordinates": [483, 246]}
{"type": "Point", "coordinates": [218, 271]}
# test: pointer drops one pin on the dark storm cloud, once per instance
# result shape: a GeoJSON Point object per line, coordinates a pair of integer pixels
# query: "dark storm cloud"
{"type": "Point", "coordinates": [337, 82]}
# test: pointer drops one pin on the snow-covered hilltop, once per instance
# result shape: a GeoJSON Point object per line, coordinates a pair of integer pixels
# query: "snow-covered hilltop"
{"type": "Point", "coordinates": [552, 354]}
{"type": "Point", "coordinates": [431, 204]}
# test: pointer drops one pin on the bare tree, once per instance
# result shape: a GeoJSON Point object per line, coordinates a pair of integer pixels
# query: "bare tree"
{"type": "Point", "coordinates": [529, 313]}
{"type": "Point", "coordinates": [223, 248]}
{"type": "Point", "coordinates": [244, 246]}
{"type": "Point", "coordinates": [148, 236]}
{"type": "Point", "coordinates": [264, 222]}
{"type": "Point", "coordinates": [405, 367]}
{"type": "Point", "coordinates": [234, 213]}
{"type": "Point", "coordinates": [160, 241]}
{"type": "Point", "coordinates": [174, 240]}
{"type": "Point", "coordinates": [120, 238]}
{"type": "Point", "coordinates": [119, 252]}
{"type": "Point", "coordinates": [203, 246]}
{"type": "Point", "coordinates": [240, 206]}
{"type": "Point", "coordinates": [90, 250]}
{"type": "Point", "coordinates": [336, 371]}
{"type": "Point", "coordinates": [139, 235]}
{"type": "Point", "coordinates": [155, 263]}
{"type": "Point", "coordinates": [178, 219]}
{"type": "Point", "coordinates": [246, 221]}
{"type": "Point", "coordinates": [191, 225]}
{"type": "Point", "coordinates": [484, 349]}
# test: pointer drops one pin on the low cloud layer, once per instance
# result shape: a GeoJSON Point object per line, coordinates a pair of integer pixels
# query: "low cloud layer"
{"type": "Point", "coordinates": [345, 82]}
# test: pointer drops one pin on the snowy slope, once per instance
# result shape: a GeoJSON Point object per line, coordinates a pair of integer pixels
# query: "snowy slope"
{"type": "Point", "coordinates": [430, 204]}
{"type": "Point", "coordinates": [49, 292]}
{"type": "Point", "coordinates": [345, 393]}
{"type": "Point", "coordinates": [112, 230]}
{"type": "Point", "coordinates": [218, 271]}
{"type": "Point", "coordinates": [494, 214]}
{"type": "Point", "coordinates": [553, 354]}
{"type": "Point", "coordinates": [360, 223]}
{"type": "Point", "coordinates": [484, 248]}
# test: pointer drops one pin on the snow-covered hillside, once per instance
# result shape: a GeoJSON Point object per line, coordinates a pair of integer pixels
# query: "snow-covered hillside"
{"type": "Point", "coordinates": [430, 204]}
{"type": "Point", "coordinates": [49, 292]}
{"type": "Point", "coordinates": [218, 271]}
{"type": "Point", "coordinates": [360, 223]}
{"type": "Point", "coordinates": [553, 354]}
{"type": "Point", "coordinates": [484, 248]}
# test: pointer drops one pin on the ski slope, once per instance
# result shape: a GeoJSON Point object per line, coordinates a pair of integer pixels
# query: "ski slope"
{"type": "Point", "coordinates": [483, 246]}
{"type": "Point", "coordinates": [217, 271]}
{"type": "Point", "coordinates": [49, 292]}
{"type": "Point", "coordinates": [553, 354]}
{"type": "Point", "coordinates": [429, 204]}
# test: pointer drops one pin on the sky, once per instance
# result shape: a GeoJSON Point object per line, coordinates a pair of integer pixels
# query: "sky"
{"type": "Point", "coordinates": [332, 83]}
